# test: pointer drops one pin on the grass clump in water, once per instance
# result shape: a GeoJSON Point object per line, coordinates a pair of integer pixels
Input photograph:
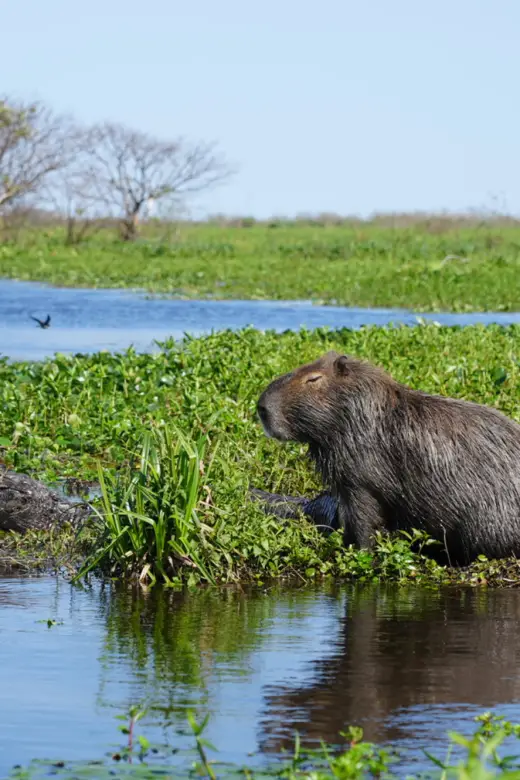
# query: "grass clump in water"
{"type": "Point", "coordinates": [148, 517]}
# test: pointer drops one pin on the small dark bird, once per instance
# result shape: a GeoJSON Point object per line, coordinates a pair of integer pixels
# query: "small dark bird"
{"type": "Point", "coordinates": [42, 323]}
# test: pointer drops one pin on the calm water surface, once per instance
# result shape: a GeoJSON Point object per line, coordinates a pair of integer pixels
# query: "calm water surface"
{"type": "Point", "coordinates": [405, 664]}
{"type": "Point", "coordinates": [91, 320]}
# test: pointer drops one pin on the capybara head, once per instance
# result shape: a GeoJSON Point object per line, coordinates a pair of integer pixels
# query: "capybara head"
{"type": "Point", "coordinates": [308, 403]}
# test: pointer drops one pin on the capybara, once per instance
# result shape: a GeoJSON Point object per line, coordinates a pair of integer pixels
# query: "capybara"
{"type": "Point", "coordinates": [395, 458]}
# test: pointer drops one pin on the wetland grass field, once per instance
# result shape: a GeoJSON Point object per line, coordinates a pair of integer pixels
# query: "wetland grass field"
{"type": "Point", "coordinates": [431, 265]}
{"type": "Point", "coordinates": [174, 441]}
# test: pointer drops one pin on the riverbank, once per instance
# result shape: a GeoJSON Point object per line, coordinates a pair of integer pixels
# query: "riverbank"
{"type": "Point", "coordinates": [173, 439]}
{"type": "Point", "coordinates": [425, 267]}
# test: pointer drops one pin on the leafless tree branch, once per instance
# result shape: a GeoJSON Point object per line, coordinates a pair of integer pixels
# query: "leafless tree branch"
{"type": "Point", "coordinates": [126, 170]}
{"type": "Point", "coordinates": [34, 144]}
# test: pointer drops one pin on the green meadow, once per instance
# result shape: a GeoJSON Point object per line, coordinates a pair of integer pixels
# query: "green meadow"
{"type": "Point", "coordinates": [432, 265]}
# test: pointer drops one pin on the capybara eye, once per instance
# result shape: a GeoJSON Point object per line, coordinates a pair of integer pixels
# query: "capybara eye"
{"type": "Point", "coordinates": [313, 378]}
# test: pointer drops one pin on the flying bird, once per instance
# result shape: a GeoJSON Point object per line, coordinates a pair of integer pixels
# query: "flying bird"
{"type": "Point", "coordinates": [42, 323]}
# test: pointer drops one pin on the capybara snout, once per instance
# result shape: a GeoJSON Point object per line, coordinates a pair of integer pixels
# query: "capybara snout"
{"type": "Point", "coordinates": [271, 406]}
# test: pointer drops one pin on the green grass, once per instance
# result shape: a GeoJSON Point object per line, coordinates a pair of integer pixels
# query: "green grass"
{"type": "Point", "coordinates": [178, 445]}
{"type": "Point", "coordinates": [469, 268]}
{"type": "Point", "coordinates": [148, 519]}
{"type": "Point", "coordinates": [479, 756]}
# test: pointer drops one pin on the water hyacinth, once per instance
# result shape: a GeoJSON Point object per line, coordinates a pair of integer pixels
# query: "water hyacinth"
{"type": "Point", "coordinates": [140, 424]}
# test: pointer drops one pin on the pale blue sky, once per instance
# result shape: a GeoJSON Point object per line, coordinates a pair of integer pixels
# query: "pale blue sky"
{"type": "Point", "coordinates": [325, 106]}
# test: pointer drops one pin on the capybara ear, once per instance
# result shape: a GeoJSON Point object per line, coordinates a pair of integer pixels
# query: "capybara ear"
{"type": "Point", "coordinates": [341, 365]}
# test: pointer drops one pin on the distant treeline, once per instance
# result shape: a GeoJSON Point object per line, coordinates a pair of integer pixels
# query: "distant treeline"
{"type": "Point", "coordinates": [41, 218]}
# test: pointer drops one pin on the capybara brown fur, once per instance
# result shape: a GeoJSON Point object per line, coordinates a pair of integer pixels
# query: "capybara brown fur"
{"type": "Point", "coordinates": [397, 458]}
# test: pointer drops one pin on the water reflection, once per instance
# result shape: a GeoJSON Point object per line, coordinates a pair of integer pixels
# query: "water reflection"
{"type": "Point", "coordinates": [399, 656]}
{"type": "Point", "coordinates": [404, 663]}
{"type": "Point", "coordinates": [180, 646]}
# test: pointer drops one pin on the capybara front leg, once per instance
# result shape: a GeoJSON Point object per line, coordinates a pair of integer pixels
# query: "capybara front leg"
{"type": "Point", "coordinates": [360, 515]}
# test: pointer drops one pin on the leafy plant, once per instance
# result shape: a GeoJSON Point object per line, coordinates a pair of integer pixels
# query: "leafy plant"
{"type": "Point", "coordinates": [149, 516]}
{"type": "Point", "coordinates": [138, 425]}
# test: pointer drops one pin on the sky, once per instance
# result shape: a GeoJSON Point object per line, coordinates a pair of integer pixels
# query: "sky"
{"type": "Point", "coordinates": [330, 106]}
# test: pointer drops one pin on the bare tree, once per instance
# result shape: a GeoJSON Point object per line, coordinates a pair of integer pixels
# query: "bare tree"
{"type": "Point", "coordinates": [126, 171]}
{"type": "Point", "coordinates": [34, 144]}
{"type": "Point", "coordinates": [74, 197]}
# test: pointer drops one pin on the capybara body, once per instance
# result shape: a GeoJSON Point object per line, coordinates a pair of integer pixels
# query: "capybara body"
{"type": "Point", "coordinates": [397, 458]}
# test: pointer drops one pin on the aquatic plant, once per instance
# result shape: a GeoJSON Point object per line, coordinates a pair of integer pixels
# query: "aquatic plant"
{"type": "Point", "coordinates": [478, 755]}
{"type": "Point", "coordinates": [148, 519]}
{"type": "Point", "coordinates": [140, 424]}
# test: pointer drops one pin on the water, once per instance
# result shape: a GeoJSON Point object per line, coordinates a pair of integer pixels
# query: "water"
{"type": "Point", "coordinates": [91, 320]}
{"type": "Point", "coordinates": [406, 664]}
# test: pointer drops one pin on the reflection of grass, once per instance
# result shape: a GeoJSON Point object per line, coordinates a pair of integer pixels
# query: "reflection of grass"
{"type": "Point", "coordinates": [172, 640]}
{"type": "Point", "coordinates": [150, 419]}
{"type": "Point", "coordinates": [475, 267]}
{"type": "Point", "coordinates": [178, 634]}
{"type": "Point", "coordinates": [477, 757]}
